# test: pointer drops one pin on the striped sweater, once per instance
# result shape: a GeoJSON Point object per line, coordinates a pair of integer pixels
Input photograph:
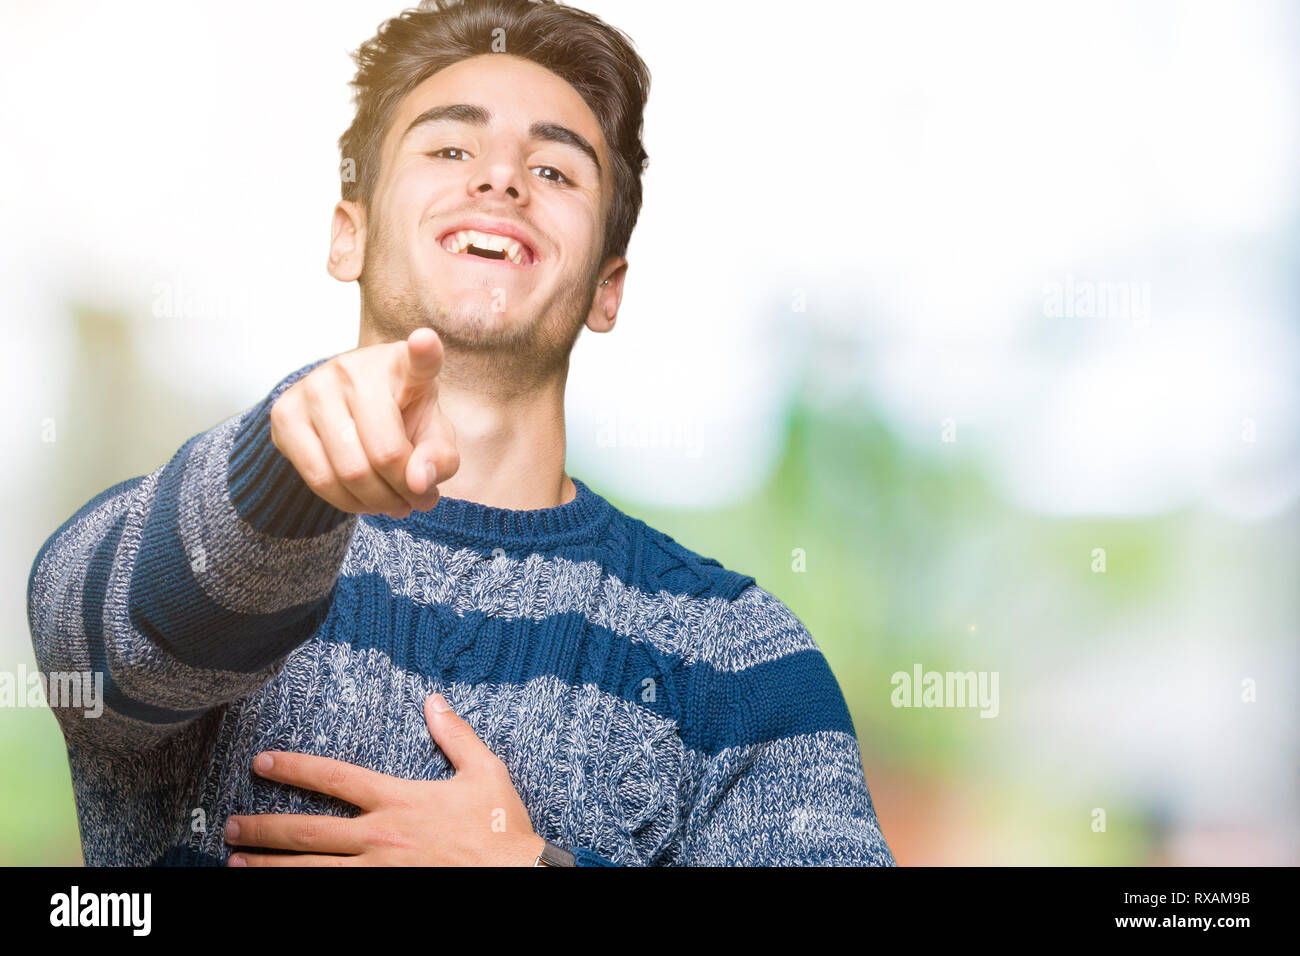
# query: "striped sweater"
{"type": "Point", "coordinates": [653, 707]}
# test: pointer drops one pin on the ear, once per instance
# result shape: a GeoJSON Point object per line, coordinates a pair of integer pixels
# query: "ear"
{"type": "Point", "coordinates": [347, 241]}
{"type": "Point", "coordinates": [609, 294]}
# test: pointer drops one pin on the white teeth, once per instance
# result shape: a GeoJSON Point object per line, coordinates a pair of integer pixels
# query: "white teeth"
{"type": "Point", "coordinates": [458, 242]}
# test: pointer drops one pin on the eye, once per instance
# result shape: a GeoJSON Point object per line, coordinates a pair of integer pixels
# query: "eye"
{"type": "Point", "coordinates": [450, 149]}
{"type": "Point", "coordinates": [563, 179]}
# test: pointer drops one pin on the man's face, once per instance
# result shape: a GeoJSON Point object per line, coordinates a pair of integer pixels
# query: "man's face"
{"type": "Point", "coordinates": [508, 159]}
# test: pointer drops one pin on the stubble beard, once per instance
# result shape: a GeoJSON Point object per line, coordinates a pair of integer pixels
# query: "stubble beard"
{"type": "Point", "coordinates": [520, 346]}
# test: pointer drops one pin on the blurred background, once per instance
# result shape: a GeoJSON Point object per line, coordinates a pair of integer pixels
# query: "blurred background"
{"type": "Point", "coordinates": [970, 330]}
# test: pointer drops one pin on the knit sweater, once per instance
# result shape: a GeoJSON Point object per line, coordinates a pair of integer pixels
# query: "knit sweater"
{"type": "Point", "coordinates": [652, 707]}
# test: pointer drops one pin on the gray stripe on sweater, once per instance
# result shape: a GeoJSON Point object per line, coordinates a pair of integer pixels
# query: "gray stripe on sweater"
{"type": "Point", "coordinates": [237, 566]}
{"type": "Point", "coordinates": [730, 636]}
{"type": "Point", "coordinates": [591, 768]}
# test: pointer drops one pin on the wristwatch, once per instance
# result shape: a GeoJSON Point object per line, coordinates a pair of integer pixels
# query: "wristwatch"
{"type": "Point", "coordinates": [553, 855]}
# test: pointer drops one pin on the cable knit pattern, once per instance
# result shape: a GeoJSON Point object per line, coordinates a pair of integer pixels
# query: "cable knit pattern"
{"type": "Point", "coordinates": [652, 706]}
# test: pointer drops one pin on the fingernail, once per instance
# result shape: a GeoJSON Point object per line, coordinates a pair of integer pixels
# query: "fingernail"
{"type": "Point", "coordinates": [238, 860]}
{"type": "Point", "coordinates": [440, 703]}
{"type": "Point", "coordinates": [232, 831]}
{"type": "Point", "coordinates": [262, 762]}
{"type": "Point", "coordinates": [431, 472]}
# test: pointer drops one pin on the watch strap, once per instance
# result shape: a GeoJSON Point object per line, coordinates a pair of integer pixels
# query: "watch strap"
{"type": "Point", "coordinates": [553, 855]}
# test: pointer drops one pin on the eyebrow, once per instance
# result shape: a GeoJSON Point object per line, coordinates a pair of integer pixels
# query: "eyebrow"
{"type": "Point", "coordinates": [481, 116]}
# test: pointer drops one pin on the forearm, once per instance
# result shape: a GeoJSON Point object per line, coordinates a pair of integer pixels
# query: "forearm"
{"type": "Point", "coordinates": [237, 555]}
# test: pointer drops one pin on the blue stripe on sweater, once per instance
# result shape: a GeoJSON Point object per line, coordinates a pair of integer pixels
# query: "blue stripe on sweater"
{"type": "Point", "coordinates": [794, 694]}
{"type": "Point", "coordinates": [743, 707]}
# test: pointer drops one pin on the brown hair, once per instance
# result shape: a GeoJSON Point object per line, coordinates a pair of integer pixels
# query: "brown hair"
{"type": "Point", "coordinates": [596, 59]}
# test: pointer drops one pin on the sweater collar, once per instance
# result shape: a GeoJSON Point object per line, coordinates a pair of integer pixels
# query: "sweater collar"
{"type": "Point", "coordinates": [468, 521]}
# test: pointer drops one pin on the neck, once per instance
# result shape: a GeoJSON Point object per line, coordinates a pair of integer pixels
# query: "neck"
{"type": "Point", "coordinates": [509, 425]}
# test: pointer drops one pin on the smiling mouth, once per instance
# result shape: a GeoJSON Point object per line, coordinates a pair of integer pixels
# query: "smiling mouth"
{"type": "Point", "coordinates": [488, 246]}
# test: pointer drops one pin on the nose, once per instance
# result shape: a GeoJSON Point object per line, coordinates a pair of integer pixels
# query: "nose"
{"type": "Point", "coordinates": [498, 173]}
{"type": "Point", "coordinates": [511, 191]}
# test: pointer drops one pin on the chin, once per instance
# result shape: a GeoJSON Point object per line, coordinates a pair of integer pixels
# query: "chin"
{"type": "Point", "coordinates": [478, 325]}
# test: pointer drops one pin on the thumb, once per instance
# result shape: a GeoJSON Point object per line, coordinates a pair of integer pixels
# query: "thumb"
{"type": "Point", "coordinates": [453, 735]}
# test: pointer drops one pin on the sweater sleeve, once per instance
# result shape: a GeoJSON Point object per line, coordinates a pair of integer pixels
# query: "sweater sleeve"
{"type": "Point", "coordinates": [781, 781]}
{"type": "Point", "coordinates": [174, 592]}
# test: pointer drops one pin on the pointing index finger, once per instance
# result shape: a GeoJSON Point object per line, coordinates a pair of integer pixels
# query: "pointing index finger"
{"type": "Point", "coordinates": [422, 361]}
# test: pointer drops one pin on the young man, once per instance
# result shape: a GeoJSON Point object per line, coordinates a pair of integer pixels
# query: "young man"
{"type": "Point", "coordinates": [371, 619]}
